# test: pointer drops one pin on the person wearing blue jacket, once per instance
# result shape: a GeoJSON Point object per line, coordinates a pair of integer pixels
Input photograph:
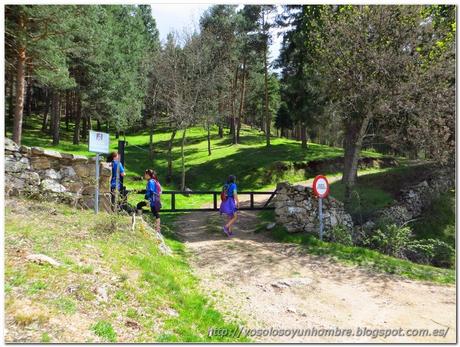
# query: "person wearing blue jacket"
{"type": "Point", "coordinates": [152, 194]}
{"type": "Point", "coordinates": [118, 171]}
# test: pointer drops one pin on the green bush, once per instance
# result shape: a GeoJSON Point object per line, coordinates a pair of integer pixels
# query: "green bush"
{"type": "Point", "coordinates": [431, 251]}
{"type": "Point", "coordinates": [390, 239]}
{"type": "Point", "coordinates": [339, 234]}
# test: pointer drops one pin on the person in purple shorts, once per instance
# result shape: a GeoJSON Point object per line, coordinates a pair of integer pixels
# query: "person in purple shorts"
{"type": "Point", "coordinates": [229, 205]}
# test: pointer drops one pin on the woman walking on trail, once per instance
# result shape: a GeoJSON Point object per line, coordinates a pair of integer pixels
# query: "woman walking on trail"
{"type": "Point", "coordinates": [152, 194]}
{"type": "Point", "coordinates": [117, 171]}
{"type": "Point", "coordinates": [229, 205]}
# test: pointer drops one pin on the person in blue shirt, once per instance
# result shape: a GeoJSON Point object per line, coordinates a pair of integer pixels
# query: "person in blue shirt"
{"type": "Point", "coordinates": [114, 158]}
{"type": "Point", "coordinates": [153, 194]}
{"type": "Point", "coordinates": [229, 206]}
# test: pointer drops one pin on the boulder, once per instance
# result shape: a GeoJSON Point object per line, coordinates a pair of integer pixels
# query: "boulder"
{"type": "Point", "coordinates": [50, 185]}
{"type": "Point", "coordinates": [52, 174]}
{"type": "Point", "coordinates": [12, 164]}
{"type": "Point", "coordinates": [10, 145]}
{"type": "Point", "coordinates": [72, 185]}
{"type": "Point", "coordinates": [30, 178]}
{"type": "Point", "coordinates": [40, 163]}
{"type": "Point", "coordinates": [67, 171]}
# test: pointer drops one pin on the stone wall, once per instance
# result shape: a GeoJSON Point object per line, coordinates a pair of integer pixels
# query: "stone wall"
{"type": "Point", "coordinates": [412, 201]}
{"type": "Point", "coordinates": [47, 174]}
{"type": "Point", "coordinates": [296, 207]}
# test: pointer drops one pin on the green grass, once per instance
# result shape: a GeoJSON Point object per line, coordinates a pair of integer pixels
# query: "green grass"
{"type": "Point", "coordinates": [251, 161]}
{"type": "Point", "coordinates": [358, 255]}
{"type": "Point", "coordinates": [146, 285]}
{"type": "Point", "coordinates": [105, 330]}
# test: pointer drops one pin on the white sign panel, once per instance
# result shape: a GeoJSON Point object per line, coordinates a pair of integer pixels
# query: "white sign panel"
{"type": "Point", "coordinates": [98, 142]}
{"type": "Point", "coordinates": [321, 186]}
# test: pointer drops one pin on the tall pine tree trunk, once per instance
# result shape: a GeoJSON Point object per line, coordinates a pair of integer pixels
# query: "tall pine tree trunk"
{"type": "Point", "coordinates": [354, 134]}
{"type": "Point", "coordinates": [209, 137]}
{"type": "Point", "coordinates": [76, 130]}
{"type": "Point", "coordinates": [151, 139]}
{"type": "Point", "coordinates": [55, 116]}
{"type": "Point", "coordinates": [10, 96]}
{"type": "Point", "coordinates": [243, 90]}
{"type": "Point", "coordinates": [28, 100]}
{"type": "Point", "coordinates": [267, 115]}
{"type": "Point", "coordinates": [233, 124]}
{"type": "Point", "coordinates": [303, 135]}
{"type": "Point", "coordinates": [20, 81]}
{"type": "Point", "coordinates": [170, 145]}
{"type": "Point", "coordinates": [68, 103]}
{"type": "Point", "coordinates": [182, 186]}
{"type": "Point", "coordinates": [47, 110]}
{"type": "Point", "coordinates": [84, 129]}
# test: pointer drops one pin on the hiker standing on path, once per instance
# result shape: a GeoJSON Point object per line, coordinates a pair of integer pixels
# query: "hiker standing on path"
{"type": "Point", "coordinates": [229, 205]}
{"type": "Point", "coordinates": [152, 194]}
{"type": "Point", "coordinates": [117, 171]}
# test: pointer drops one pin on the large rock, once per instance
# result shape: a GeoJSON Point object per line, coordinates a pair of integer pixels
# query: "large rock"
{"type": "Point", "coordinates": [50, 185]}
{"type": "Point", "coordinates": [52, 174]}
{"type": "Point", "coordinates": [30, 178]}
{"type": "Point", "coordinates": [13, 164]}
{"type": "Point", "coordinates": [68, 171]}
{"type": "Point", "coordinates": [10, 145]}
{"type": "Point", "coordinates": [40, 163]}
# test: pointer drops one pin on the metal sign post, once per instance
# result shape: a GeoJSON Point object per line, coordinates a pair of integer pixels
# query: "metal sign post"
{"type": "Point", "coordinates": [321, 190]}
{"type": "Point", "coordinates": [321, 219]}
{"type": "Point", "coordinates": [96, 198]}
{"type": "Point", "coordinates": [98, 143]}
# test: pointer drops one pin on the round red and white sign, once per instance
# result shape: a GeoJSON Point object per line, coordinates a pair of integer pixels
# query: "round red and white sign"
{"type": "Point", "coordinates": [321, 186]}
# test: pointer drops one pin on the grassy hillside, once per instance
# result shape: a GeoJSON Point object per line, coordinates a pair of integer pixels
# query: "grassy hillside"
{"type": "Point", "coordinates": [150, 297]}
{"type": "Point", "coordinates": [249, 161]}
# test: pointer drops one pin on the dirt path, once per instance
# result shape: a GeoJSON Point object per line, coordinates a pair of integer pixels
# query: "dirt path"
{"type": "Point", "coordinates": [273, 285]}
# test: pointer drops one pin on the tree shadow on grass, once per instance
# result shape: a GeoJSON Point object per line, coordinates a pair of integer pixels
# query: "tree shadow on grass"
{"type": "Point", "coordinates": [250, 165]}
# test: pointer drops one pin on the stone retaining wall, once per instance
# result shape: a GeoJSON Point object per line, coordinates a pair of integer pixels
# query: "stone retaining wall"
{"type": "Point", "coordinates": [296, 207]}
{"type": "Point", "coordinates": [47, 174]}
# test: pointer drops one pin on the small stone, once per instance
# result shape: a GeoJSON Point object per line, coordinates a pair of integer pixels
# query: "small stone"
{"type": "Point", "coordinates": [101, 293]}
{"type": "Point", "coordinates": [132, 324]}
{"type": "Point", "coordinates": [291, 310]}
{"type": "Point", "coordinates": [42, 259]}
{"type": "Point", "coordinates": [270, 226]}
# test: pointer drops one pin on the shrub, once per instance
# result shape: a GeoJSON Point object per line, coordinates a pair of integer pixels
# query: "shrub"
{"type": "Point", "coordinates": [390, 239]}
{"type": "Point", "coordinates": [339, 234]}
{"type": "Point", "coordinates": [431, 251]}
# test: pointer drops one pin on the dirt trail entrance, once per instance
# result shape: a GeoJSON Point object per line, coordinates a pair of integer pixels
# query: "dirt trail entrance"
{"type": "Point", "coordinates": [273, 285]}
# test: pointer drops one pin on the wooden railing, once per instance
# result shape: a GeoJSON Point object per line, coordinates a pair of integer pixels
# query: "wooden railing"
{"type": "Point", "coordinates": [215, 200]}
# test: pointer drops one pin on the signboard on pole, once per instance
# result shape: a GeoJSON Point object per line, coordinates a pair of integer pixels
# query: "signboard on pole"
{"type": "Point", "coordinates": [98, 142]}
{"type": "Point", "coordinates": [321, 186]}
{"type": "Point", "coordinates": [321, 190]}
